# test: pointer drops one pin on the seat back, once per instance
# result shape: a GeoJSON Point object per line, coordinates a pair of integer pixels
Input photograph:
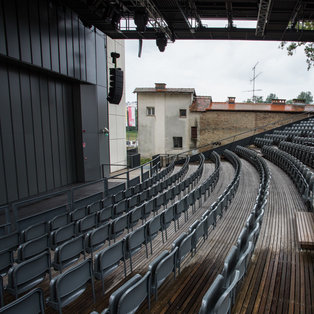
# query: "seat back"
{"type": "Point", "coordinates": [34, 231]}
{"type": "Point", "coordinates": [32, 248]}
{"type": "Point", "coordinates": [164, 268]}
{"type": "Point", "coordinates": [62, 235]}
{"type": "Point", "coordinates": [68, 286]}
{"type": "Point", "coordinates": [120, 208]}
{"type": "Point", "coordinates": [32, 302]}
{"type": "Point", "coordinates": [135, 215]}
{"type": "Point", "coordinates": [87, 223]}
{"type": "Point", "coordinates": [58, 221]}
{"type": "Point", "coordinates": [96, 238]}
{"type": "Point", "coordinates": [78, 213]}
{"type": "Point", "coordinates": [154, 226]}
{"type": "Point", "coordinates": [94, 207]}
{"type": "Point", "coordinates": [109, 258]}
{"type": "Point", "coordinates": [115, 296]}
{"type": "Point", "coordinates": [185, 247]}
{"type": "Point", "coordinates": [69, 252]}
{"type": "Point", "coordinates": [135, 295]}
{"type": "Point", "coordinates": [230, 264]}
{"type": "Point", "coordinates": [243, 240]}
{"type": "Point", "coordinates": [212, 295]}
{"type": "Point", "coordinates": [9, 242]}
{"type": "Point", "coordinates": [118, 225]}
{"type": "Point", "coordinates": [6, 261]}
{"type": "Point", "coordinates": [28, 274]}
{"type": "Point", "coordinates": [105, 214]}
{"type": "Point", "coordinates": [135, 240]}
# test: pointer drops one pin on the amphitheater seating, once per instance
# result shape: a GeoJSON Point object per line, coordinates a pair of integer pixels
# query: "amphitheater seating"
{"type": "Point", "coordinates": [32, 302]}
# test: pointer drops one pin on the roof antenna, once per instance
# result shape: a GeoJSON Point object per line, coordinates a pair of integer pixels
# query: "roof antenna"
{"type": "Point", "coordinates": [254, 97]}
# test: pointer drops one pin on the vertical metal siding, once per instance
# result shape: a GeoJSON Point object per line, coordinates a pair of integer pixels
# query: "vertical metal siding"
{"type": "Point", "coordinates": [36, 133]}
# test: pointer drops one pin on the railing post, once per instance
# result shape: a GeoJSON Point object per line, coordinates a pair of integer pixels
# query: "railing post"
{"type": "Point", "coordinates": [105, 186]}
{"type": "Point", "coordinates": [70, 199]}
{"type": "Point", "coordinates": [151, 168]}
{"type": "Point", "coordinates": [127, 178]}
{"type": "Point", "coordinates": [141, 173]}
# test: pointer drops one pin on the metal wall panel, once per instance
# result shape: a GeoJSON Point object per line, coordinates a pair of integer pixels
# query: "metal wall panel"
{"type": "Point", "coordinates": [36, 133]}
{"type": "Point", "coordinates": [90, 49]}
{"type": "Point", "coordinates": [34, 32]}
{"type": "Point", "coordinates": [3, 48]}
{"type": "Point", "coordinates": [18, 132]}
{"type": "Point", "coordinates": [11, 29]}
{"type": "Point", "coordinates": [7, 136]}
{"type": "Point", "coordinates": [44, 34]}
{"type": "Point", "coordinates": [49, 35]}
{"type": "Point", "coordinates": [46, 133]}
{"type": "Point", "coordinates": [24, 33]}
{"type": "Point", "coordinates": [100, 59]}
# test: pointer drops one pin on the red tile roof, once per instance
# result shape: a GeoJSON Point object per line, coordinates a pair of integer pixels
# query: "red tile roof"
{"type": "Point", "coordinates": [202, 104]}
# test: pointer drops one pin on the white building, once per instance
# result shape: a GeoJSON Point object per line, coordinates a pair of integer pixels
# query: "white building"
{"type": "Point", "coordinates": [117, 134]}
{"type": "Point", "coordinates": [164, 119]}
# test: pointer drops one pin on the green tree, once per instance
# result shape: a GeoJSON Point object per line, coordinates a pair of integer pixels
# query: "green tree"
{"type": "Point", "coordinates": [258, 99]}
{"type": "Point", "coordinates": [307, 96]}
{"type": "Point", "coordinates": [290, 101]}
{"type": "Point", "coordinates": [308, 46]}
{"type": "Point", "coordinates": [270, 97]}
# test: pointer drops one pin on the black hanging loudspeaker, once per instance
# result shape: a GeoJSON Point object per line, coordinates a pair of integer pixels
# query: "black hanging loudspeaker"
{"type": "Point", "coordinates": [115, 86]}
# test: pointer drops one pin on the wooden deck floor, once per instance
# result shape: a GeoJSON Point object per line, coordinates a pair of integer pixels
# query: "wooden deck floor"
{"type": "Point", "coordinates": [280, 277]}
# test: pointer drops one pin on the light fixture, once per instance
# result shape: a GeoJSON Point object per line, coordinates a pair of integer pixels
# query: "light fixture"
{"type": "Point", "coordinates": [140, 19]}
{"type": "Point", "coordinates": [161, 41]}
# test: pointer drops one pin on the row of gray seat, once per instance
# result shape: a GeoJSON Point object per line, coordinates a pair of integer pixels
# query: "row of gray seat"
{"type": "Point", "coordinates": [302, 177]}
{"type": "Point", "coordinates": [129, 297]}
{"type": "Point", "coordinates": [127, 247]}
{"type": "Point", "coordinates": [308, 141]}
{"type": "Point", "coordinates": [220, 297]}
{"type": "Point", "coordinates": [300, 151]}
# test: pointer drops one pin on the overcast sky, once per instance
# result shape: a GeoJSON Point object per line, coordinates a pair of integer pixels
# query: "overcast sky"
{"type": "Point", "coordinates": [218, 68]}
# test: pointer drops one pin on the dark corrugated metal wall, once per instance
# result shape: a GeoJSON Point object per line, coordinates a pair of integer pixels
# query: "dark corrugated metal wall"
{"type": "Point", "coordinates": [45, 54]}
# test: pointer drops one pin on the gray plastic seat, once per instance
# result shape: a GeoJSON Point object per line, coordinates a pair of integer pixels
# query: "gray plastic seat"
{"type": "Point", "coordinates": [184, 248]}
{"type": "Point", "coordinates": [214, 292]}
{"type": "Point", "coordinates": [34, 231]}
{"type": "Point", "coordinates": [28, 274]}
{"type": "Point", "coordinates": [87, 223]}
{"type": "Point", "coordinates": [230, 265]}
{"type": "Point", "coordinates": [154, 225]}
{"type": "Point", "coordinates": [135, 215]}
{"type": "Point", "coordinates": [108, 260]}
{"type": "Point", "coordinates": [68, 253]}
{"type": "Point", "coordinates": [118, 226]}
{"type": "Point", "coordinates": [94, 207]}
{"type": "Point", "coordinates": [67, 287]}
{"type": "Point", "coordinates": [148, 208]}
{"type": "Point", "coordinates": [225, 302]}
{"type": "Point", "coordinates": [58, 221]}
{"type": "Point", "coordinates": [9, 242]}
{"type": "Point", "coordinates": [167, 217]}
{"type": "Point", "coordinates": [6, 261]}
{"type": "Point", "coordinates": [63, 234]}
{"type": "Point", "coordinates": [30, 303]}
{"type": "Point", "coordinates": [32, 248]}
{"type": "Point", "coordinates": [116, 295]}
{"type": "Point", "coordinates": [78, 214]}
{"type": "Point", "coordinates": [95, 238]}
{"type": "Point", "coordinates": [134, 242]}
{"type": "Point", "coordinates": [120, 208]}
{"type": "Point", "coordinates": [133, 297]}
{"type": "Point", "coordinates": [105, 214]}
{"type": "Point", "coordinates": [162, 267]}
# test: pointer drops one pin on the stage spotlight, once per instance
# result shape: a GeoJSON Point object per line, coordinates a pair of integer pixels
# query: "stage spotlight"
{"type": "Point", "coordinates": [140, 19]}
{"type": "Point", "coordinates": [161, 41]}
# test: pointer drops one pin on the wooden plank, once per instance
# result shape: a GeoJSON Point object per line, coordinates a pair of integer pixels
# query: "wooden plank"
{"type": "Point", "coordinates": [305, 229]}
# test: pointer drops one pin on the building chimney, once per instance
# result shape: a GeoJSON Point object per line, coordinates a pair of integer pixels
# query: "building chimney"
{"type": "Point", "coordinates": [160, 86]}
{"type": "Point", "coordinates": [297, 101]}
{"type": "Point", "coordinates": [231, 100]}
{"type": "Point", "coordinates": [278, 101]}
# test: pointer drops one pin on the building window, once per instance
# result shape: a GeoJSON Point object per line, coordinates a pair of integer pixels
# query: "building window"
{"type": "Point", "coordinates": [177, 142]}
{"type": "Point", "coordinates": [150, 111]}
{"type": "Point", "coordinates": [194, 132]}
{"type": "Point", "coordinates": [182, 113]}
